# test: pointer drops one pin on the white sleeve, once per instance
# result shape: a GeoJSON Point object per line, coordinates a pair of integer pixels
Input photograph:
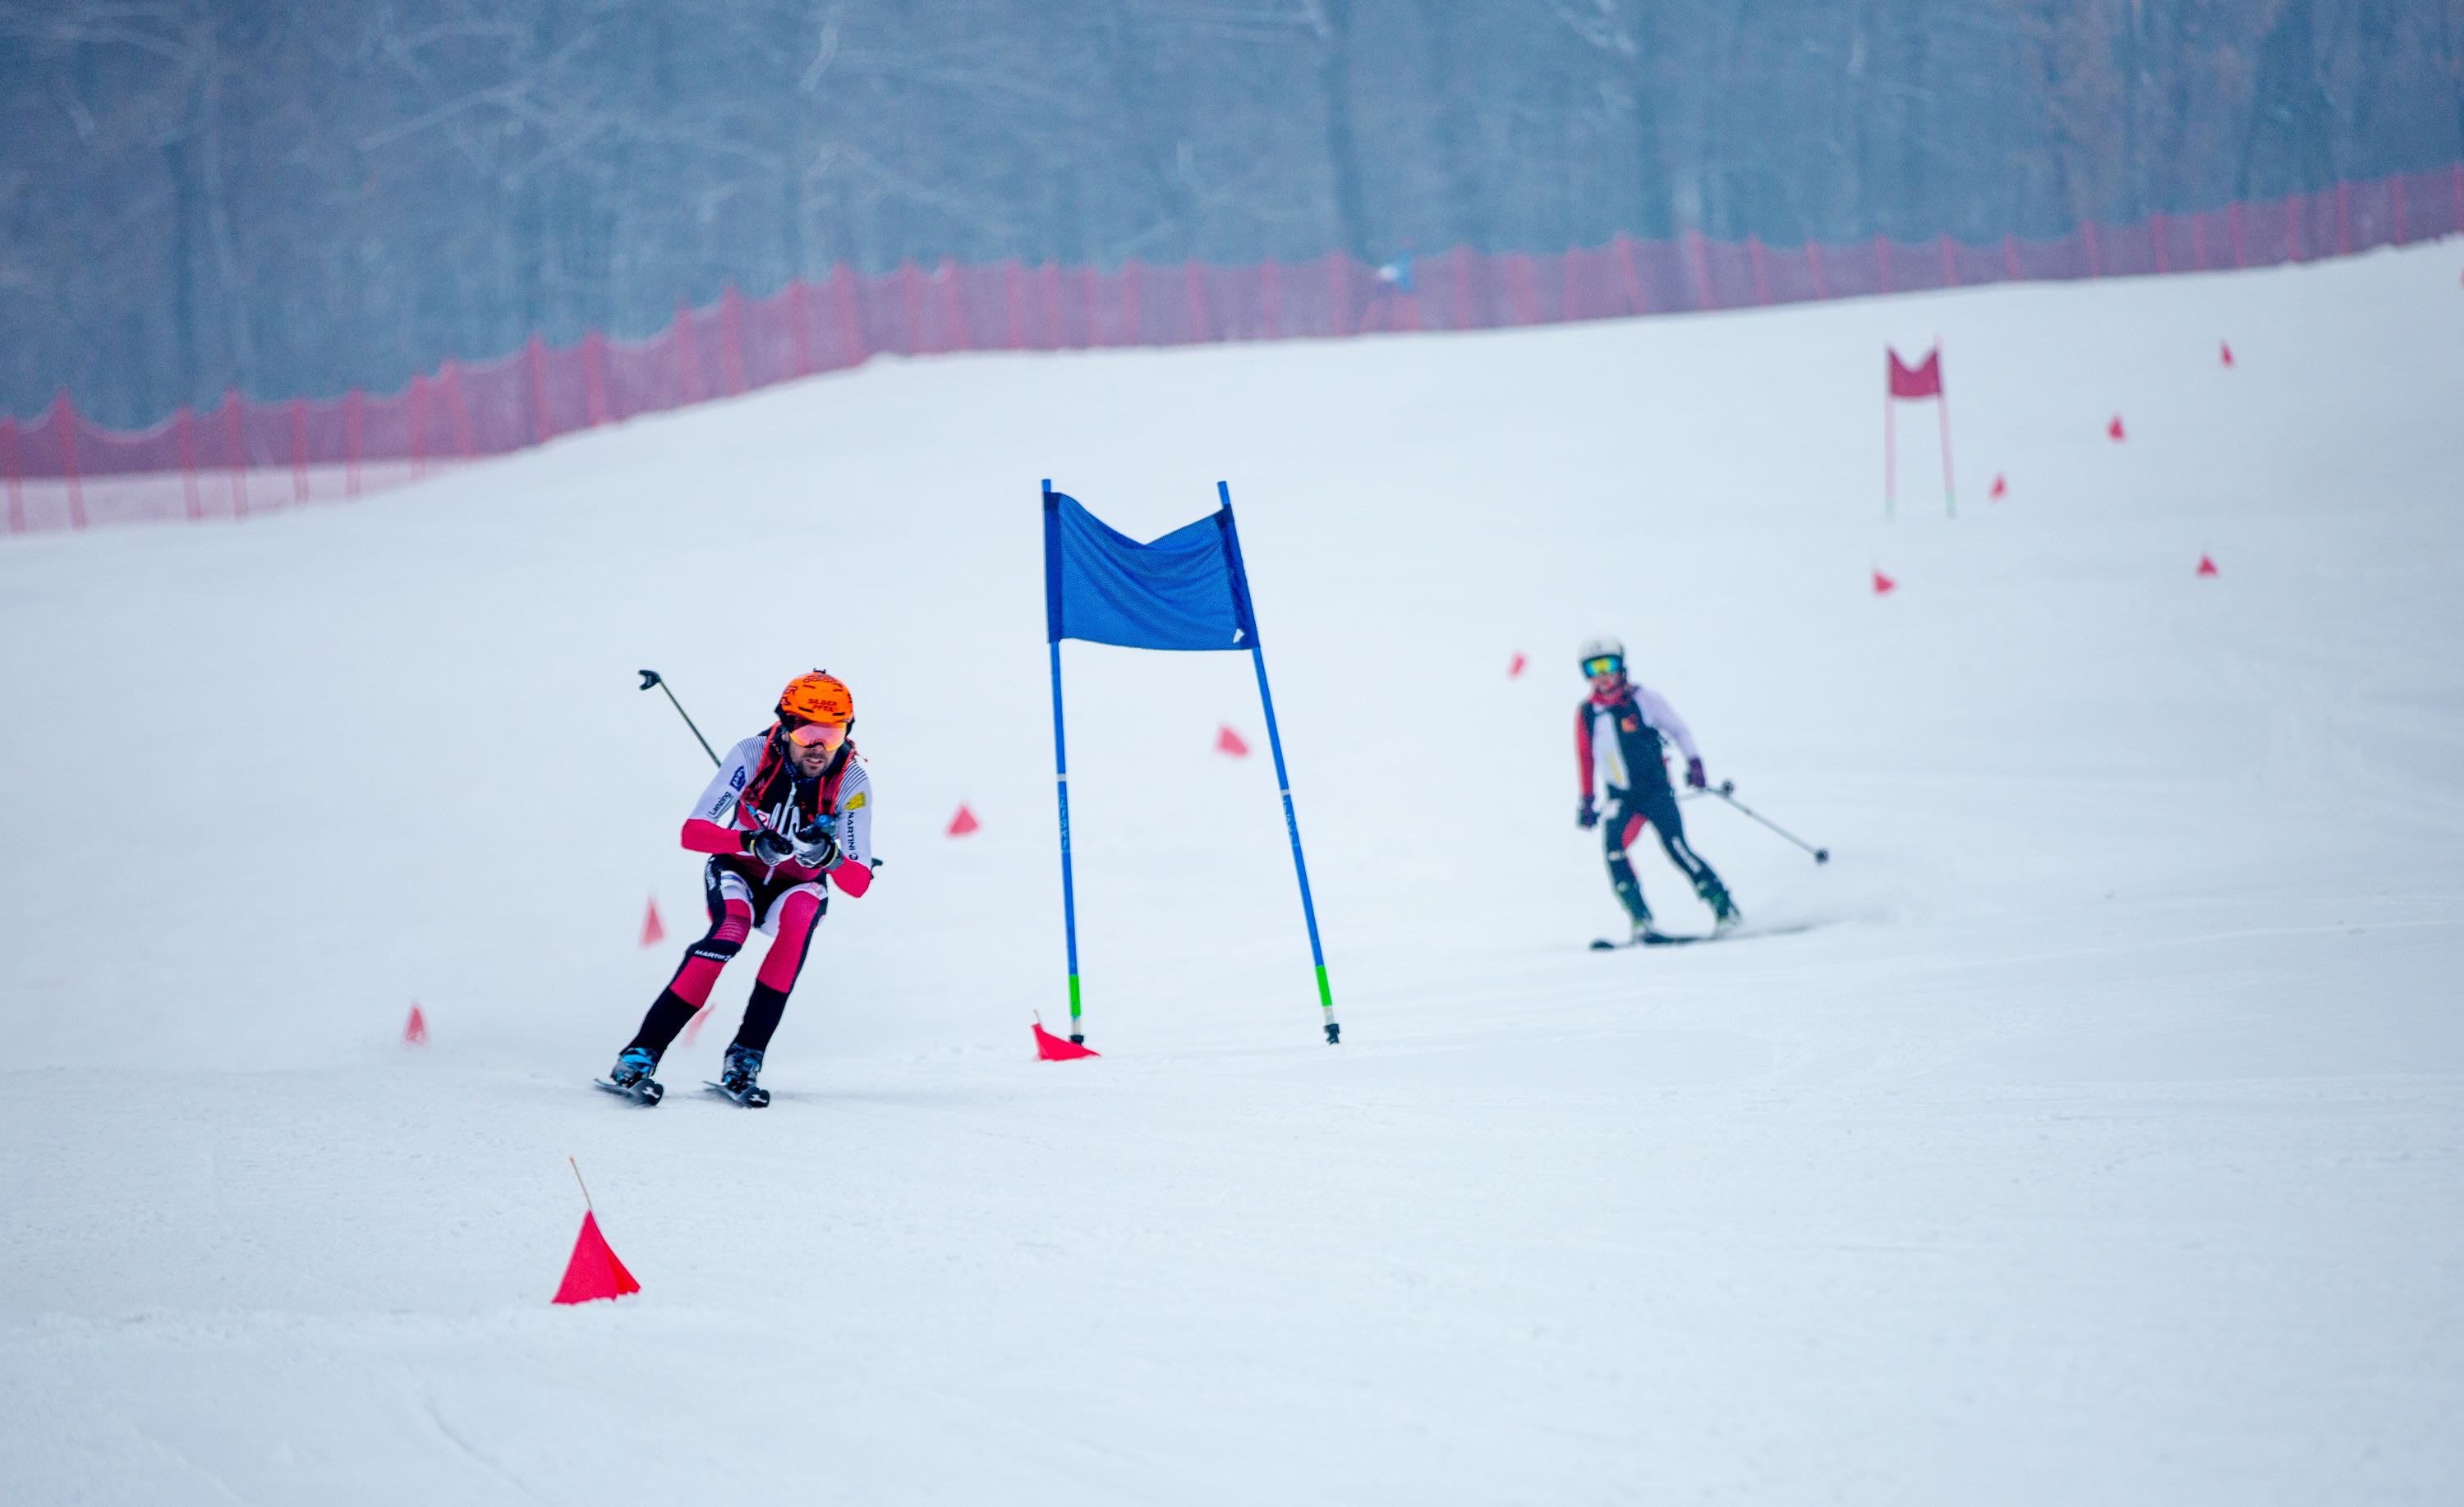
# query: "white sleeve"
{"type": "Point", "coordinates": [855, 814]}
{"type": "Point", "coordinates": [1656, 711]}
{"type": "Point", "coordinates": [717, 802]}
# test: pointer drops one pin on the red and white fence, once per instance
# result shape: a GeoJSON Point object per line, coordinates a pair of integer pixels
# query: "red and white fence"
{"type": "Point", "coordinates": [250, 456]}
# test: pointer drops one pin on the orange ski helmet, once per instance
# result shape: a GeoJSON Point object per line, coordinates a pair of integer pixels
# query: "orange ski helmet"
{"type": "Point", "coordinates": [817, 697]}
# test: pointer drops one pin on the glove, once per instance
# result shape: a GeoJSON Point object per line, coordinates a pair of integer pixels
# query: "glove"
{"type": "Point", "coordinates": [765, 846]}
{"type": "Point", "coordinates": [1589, 816]}
{"type": "Point", "coordinates": [1694, 774]}
{"type": "Point", "coordinates": [816, 846]}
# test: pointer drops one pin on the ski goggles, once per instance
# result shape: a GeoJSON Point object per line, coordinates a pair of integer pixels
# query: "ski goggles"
{"type": "Point", "coordinates": [1603, 665]}
{"type": "Point", "coordinates": [817, 734]}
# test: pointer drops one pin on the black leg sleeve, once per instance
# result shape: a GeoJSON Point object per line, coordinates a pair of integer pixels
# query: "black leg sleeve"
{"type": "Point", "coordinates": [1621, 879]}
{"type": "Point", "coordinates": [668, 1015]}
{"type": "Point", "coordinates": [761, 1014]}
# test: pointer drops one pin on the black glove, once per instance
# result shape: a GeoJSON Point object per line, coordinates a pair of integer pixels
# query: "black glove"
{"type": "Point", "coordinates": [816, 846]}
{"type": "Point", "coordinates": [765, 846]}
{"type": "Point", "coordinates": [1694, 774]}
{"type": "Point", "coordinates": [1589, 816]}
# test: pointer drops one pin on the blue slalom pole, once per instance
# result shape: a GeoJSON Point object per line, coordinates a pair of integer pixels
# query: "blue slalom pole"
{"type": "Point", "coordinates": [1061, 750]}
{"type": "Point", "coordinates": [1283, 780]}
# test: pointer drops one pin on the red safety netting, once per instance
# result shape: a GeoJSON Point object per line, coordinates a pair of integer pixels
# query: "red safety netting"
{"type": "Point", "coordinates": [248, 456]}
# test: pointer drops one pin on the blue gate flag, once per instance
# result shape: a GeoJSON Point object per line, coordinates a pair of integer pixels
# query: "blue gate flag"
{"type": "Point", "coordinates": [1183, 591]}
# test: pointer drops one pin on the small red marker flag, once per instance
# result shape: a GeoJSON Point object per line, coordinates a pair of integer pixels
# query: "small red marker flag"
{"type": "Point", "coordinates": [652, 932]}
{"type": "Point", "coordinates": [2206, 566]}
{"type": "Point", "coordinates": [1515, 670]}
{"type": "Point", "coordinates": [1050, 1048]}
{"type": "Point", "coordinates": [594, 1272]}
{"type": "Point", "coordinates": [414, 1030]}
{"type": "Point", "coordinates": [963, 822]}
{"type": "Point", "coordinates": [692, 1027]}
{"type": "Point", "coordinates": [2000, 486]}
{"type": "Point", "coordinates": [1229, 742]}
{"type": "Point", "coordinates": [1883, 584]}
{"type": "Point", "coordinates": [2113, 430]}
{"type": "Point", "coordinates": [2224, 350]}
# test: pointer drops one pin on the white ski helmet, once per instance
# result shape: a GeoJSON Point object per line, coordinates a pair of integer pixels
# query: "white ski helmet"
{"type": "Point", "coordinates": [1603, 647]}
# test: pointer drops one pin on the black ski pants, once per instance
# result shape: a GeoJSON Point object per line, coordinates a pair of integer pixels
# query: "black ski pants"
{"type": "Point", "coordinates": [1623, 821]}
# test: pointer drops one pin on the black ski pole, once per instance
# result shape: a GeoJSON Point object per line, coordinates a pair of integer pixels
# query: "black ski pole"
{"type": "Point", "coordinates": [1723, 790]}
{"type": "Point", "coordinates": [650, 678]}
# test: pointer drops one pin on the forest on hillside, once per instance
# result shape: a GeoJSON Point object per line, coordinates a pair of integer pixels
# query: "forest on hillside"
{"type": "Point", "coordinates": [294, 198]}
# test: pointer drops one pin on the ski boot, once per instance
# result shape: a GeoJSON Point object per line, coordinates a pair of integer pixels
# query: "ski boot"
{"type": "Point", "coordinates": [1725, 915]}
{"type": "Point", "coordinates": [737, 1079]}
{"type": "Point", "coordinates": [631, 1077]}
{"type": "Point", "coordinates": [1645, 933]}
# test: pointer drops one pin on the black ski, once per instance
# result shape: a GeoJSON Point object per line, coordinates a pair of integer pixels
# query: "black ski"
{"type": "Point", "coordinates": [753, 1097]}
{"type": "Point", "coordinates": [645, 1093]}
{"type": "Point", "coordinates": [1690, 938]}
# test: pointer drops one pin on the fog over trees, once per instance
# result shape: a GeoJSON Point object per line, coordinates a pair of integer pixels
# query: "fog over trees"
{"type": "Point", "coordinates": [295, 197]}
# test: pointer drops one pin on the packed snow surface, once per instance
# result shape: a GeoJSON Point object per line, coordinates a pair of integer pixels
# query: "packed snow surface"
{"type": "Point", "coordinates": [2100, 1137]}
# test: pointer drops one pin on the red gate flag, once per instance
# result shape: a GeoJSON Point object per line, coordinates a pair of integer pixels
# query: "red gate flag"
{"type": "Point", "coordinates": [654, 932]}
{"type": "Point", "coordinates": [1906, 382]}
{"type": "Point", "coordinates": [1050, 1048]}
{"type": "Point", "coordinates": [414, 1030]}
{"type": "Point", "coordinates": [1915, 382]}
{"type": "Point", "coordinates": [963, 822]}
{"type": "Point", "coordinates": [1229, 742]}
{"type": "Point", "coordinates": [594, 1272]}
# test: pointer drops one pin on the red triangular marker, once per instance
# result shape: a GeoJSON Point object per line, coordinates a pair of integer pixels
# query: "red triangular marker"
{"type": "Point", "coordinates": [414, 1030]}
{"type": "Point", "coordinates": [1229, 742]}
{"type": "Point", "coordinates": [1884, 584]}
{"type": "Point", "coordinates": [2113, 430]}
{"type": "Point", "coordinates": [2206, 566]}
{"type": "Point", "coordinates": [2224, 348]}
{"type": "Point", "coordinates": [2000, 486]}
{"type": "Point", "coordinates": [594, 1272]}
{"type": "Point", "coordinates": [692, 1027]}
{"type": "Point", "coordinates": [1515, 669]}
{"type": "Point", "coordinates": [652, 932]}
{"type": "Point", "coordinates": [963, 822]}
{"type": "Point", "coordinates": [1051, 1048]}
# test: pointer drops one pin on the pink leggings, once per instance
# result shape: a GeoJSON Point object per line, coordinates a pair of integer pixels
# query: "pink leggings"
{"type": "Point", "coordinates": [700, 970]}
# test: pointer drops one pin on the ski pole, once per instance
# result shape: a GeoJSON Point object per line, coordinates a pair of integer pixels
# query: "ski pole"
{"type": "Point", "coordinates": [650, 678]}
{"type": "Point", "coordinates": [1722, 791]}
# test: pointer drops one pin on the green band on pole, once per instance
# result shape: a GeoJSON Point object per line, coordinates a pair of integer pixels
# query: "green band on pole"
{"type": "Point", "coordinates": [1325, 994]}
{"type": "Point", "coordinates": [1073, 994]}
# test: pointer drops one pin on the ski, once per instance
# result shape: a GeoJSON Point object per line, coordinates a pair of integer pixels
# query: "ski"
{"type": "Point", "coordinates": [755, 1096]}
{"type": "Point", "coordinates": [1688, 938]}
{"type": "Point", "coordinates": [645, 1093]}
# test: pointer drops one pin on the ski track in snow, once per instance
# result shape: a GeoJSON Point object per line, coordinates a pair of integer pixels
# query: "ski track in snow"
{"type": "Point", "coordinates": [2101, 1140]}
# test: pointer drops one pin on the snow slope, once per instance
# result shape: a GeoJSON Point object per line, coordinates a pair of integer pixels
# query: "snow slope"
{"type": "Point", "coordinates": [2102, 1140]}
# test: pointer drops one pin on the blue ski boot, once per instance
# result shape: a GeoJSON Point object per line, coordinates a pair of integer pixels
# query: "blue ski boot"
{"type": "Point", "coordinates": [631, 1077]}
{"type": "Point", "coordinates": [737, 1079]}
